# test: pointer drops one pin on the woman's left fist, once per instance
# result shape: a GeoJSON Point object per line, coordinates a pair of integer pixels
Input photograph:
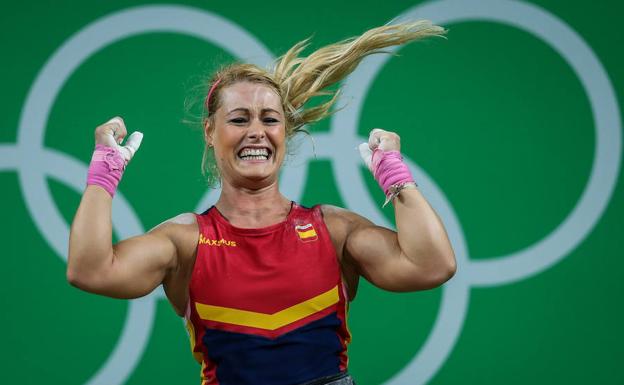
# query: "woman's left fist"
{"type": "Point", "coordinates": [379, 139]}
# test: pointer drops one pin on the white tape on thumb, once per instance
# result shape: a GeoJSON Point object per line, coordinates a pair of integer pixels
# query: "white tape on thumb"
{"type": "Point", "coordinates": [132, 145]}
{"type": "Point", "coordinates": [366, 153]}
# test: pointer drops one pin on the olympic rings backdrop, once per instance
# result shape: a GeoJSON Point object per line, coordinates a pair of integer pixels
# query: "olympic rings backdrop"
{"type": "Point", "coordinates": [512, 127]}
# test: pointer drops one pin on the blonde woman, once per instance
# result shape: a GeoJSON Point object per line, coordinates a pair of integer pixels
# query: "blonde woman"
{"type": "Point", "coordinates": [263, 282]}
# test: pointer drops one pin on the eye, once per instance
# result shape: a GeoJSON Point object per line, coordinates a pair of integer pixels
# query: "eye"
{"type": "Point", "coordinates": [270, 120]}
{"type": "Point", "coordinates": [238, 120]}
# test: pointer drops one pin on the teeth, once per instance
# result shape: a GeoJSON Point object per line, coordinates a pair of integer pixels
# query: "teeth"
{"type": "Point", "coordinates": [254, 153]}
{"type": "Point", "coordinates": [259, 157]}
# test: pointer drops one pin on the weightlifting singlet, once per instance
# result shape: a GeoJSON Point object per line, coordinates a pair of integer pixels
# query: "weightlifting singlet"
{"type": "Point", "coordinates": [267, 306]}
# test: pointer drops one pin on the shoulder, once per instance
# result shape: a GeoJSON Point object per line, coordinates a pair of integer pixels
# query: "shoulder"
{"type": "Point", "coordinates": [182, 230]}
{"type": "Point", "coordinates": [341, 219]}
{"type": "Point", "coordinates": [342, 223]}
{"type": "Point", "coordinates": [181, 222]}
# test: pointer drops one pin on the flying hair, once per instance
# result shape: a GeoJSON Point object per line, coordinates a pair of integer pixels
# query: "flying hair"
{"type": "Point", "coordinates": [297, 79]}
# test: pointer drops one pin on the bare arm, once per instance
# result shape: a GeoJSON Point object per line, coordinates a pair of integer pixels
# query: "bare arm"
{"type": "Point", "coordinates": [129, 269]}
{"type": "Point", "coordinates": [418, 256]}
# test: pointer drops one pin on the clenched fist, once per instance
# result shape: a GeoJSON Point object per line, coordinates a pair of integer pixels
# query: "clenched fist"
{"type": "Point", "coordinates": [379, 139]}
{"type": "Point", "coordinates": [112, 134]}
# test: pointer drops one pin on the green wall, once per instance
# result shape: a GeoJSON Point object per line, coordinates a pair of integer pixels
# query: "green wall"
{"type": "Point", "coordinates": [511, 124]}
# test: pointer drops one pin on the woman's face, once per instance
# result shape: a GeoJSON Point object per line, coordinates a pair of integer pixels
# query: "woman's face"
{"type": "Point", "coordinates": [248, 135]}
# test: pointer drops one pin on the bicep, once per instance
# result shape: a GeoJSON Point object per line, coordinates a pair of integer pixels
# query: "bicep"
{"type": "Point", "coordinates": [376, 252]}
{"type": "Point", "coordinates": [137, 266]}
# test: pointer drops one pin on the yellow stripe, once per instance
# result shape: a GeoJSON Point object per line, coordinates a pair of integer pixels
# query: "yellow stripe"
{"type": "Point", "coordinates": [199, 357]}
{"type": "Point", "coordinates": [268, 321]}
{"type": "Point", "coordinates": [307, 234]}
{"type": "Point", "coordinates": [348, 339]}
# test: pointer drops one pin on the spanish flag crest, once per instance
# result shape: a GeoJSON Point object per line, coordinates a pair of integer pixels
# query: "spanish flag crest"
{"type": "Point", "coordinates": [306, 232]}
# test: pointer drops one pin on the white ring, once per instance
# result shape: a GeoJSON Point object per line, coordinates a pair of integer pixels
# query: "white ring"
{"type": "Point", "coordinates": [490, 272]}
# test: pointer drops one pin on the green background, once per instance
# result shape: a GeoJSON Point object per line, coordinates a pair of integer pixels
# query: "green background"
{"type": "Point", "coordinates": [494, 115]}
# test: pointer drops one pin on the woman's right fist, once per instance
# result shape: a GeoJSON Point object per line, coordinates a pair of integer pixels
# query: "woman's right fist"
{"type": "Point", "coordinates": [112, 134]}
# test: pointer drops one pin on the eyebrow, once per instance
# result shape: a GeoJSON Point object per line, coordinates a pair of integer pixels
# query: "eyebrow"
{"type": "Point", "coordinates": [243, 109]}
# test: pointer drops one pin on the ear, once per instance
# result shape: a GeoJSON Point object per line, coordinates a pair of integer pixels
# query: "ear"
{"type": "Point", "coordinates": [208, 132]}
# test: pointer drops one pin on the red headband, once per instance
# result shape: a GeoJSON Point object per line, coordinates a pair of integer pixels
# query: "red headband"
{"type": "Point", "coordinates": [214, 85]}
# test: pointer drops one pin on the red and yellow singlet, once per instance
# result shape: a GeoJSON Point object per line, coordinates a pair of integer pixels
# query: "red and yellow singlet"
{"type": "Point", "coordinates": [267, 305]}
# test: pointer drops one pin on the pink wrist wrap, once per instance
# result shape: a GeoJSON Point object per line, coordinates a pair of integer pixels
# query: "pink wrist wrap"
{"type": "Point", "coordinates": [106, 168]}
{"type": "Point", "coordinates": [389, 170]}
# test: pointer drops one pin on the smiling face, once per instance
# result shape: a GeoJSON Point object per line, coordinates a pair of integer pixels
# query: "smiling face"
{"type": "Point", "coordinates": [248, 135]}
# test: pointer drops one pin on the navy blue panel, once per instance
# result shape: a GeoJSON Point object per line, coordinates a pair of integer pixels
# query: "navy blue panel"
{"type": "Point", "coordinates": [298, 356]}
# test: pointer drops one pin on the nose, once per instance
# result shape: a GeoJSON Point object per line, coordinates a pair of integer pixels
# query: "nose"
{"type": "Point", "coordinates": [256, 131]}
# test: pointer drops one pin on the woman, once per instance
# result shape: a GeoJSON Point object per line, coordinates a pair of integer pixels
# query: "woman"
{"type": "Point", "coordinates": [263, 282]}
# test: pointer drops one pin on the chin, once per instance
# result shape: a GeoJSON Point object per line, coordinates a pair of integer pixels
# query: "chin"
{"type": "Point", "coordinates": [261, 177]}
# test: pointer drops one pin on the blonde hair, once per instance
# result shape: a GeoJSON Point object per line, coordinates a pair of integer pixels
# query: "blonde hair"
{"type": "Point", "coordinates": [299, 79]}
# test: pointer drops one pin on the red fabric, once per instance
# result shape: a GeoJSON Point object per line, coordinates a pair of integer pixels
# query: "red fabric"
{"type": "Point", "coordinates": [264, 270]}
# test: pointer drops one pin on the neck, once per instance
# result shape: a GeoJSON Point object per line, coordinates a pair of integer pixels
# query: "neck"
{"type": "Point", "coordinates": [252, 208]}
